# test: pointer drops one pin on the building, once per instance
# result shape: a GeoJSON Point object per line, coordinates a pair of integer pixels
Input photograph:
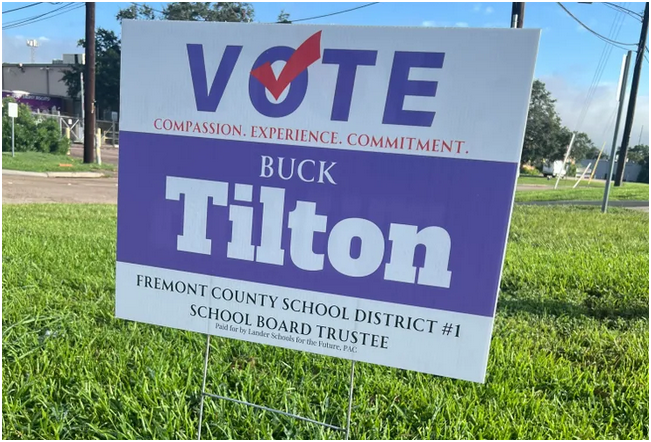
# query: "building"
{"type": "Point", "coordinates": [631, 170]}
{"type": "Point", "coordinates": [35, 83]}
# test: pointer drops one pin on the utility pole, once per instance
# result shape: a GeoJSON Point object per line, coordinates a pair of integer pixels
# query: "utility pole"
{"type": "Point", "coordinates": [632, 99]}
{"type": "Point", "coordinates": [567, 155]}
{"type": "Point", "coordinates": [639, 140]}
{"type": "Point", "coordinates": [517, 14]}
{"type": "Point", "coordinates": [622, 93]}
{"type": "Point", "coordinates": [82, 92]}
{"type": "Point", "coordinates": [89, 86]}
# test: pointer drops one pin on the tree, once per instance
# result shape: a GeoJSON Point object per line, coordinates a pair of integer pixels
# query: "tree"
{"type": "Point", "coordinates": [644, 173]}
{"type": "Point", "coordinates": [283, 17]}
{"type": "Point", "coordinates": [546, 139]}
{"type": "Point", "coordinates": [107, 72]}
{"type": "Point", "coordinates": [136, 12]}
{"type": "Point", "coordinates": [192, 11]}
{"type": "Point", "coordinates": [543, 135]}
{"type": "Point", "coordinates": [583, 147]}
{"type": "Point", "coordinates": [638, 154]}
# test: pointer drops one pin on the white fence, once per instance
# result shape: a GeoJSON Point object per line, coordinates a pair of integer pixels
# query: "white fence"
{"type": "Point", "coordinates": [73, 127]}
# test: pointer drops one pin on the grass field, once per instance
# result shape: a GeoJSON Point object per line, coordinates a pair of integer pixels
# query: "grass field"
{"type": "Point", "coordinates": [569, 354]}
{"type": "Point", "coordinates": [47, 162]}
{"type": "Point", "coordinates": [595, 192]}
{"type": "Point", "coordinates": [568, 182]}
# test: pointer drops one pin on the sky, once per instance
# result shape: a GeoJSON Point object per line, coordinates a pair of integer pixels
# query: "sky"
{"type": "Point", "coordinates": [569, 56]}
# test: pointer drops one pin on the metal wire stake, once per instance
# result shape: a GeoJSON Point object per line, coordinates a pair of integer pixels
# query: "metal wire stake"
{"type": "Point", "coordinates": [350, 398]}
{"type": "Point", "coordinates": [203, 386]}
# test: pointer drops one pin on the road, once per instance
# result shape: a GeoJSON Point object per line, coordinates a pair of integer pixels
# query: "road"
{"type": "Point", "coordinates": [109, 155]}
{"type": "Point", "coordinates": [26, 189]}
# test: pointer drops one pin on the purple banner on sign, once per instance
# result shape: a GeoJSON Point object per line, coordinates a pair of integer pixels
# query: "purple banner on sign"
{"type": "Point", "coordinates": [469, 199]}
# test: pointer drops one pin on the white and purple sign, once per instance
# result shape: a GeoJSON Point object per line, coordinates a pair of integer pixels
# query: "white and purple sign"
{"type": "Point", "coordinates": [345, 191]}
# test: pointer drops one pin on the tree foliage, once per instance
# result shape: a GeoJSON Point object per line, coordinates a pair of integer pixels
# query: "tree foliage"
{"type": "Point", "coordinates": [107, 72]}
{"type": "Point", "coordinates": [546, 139]}
{"type": "Point", "coordinates": [640, 155]}
{"type": "Point", "coordinates": [283, 17]}
{"type": "Point", "coordinates": [543, 135]}
{"type": "Point", "coordinates": [191, 11]}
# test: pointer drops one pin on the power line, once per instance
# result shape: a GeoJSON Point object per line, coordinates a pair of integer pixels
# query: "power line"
{"type": "Point", "coordinates": [613, 32]}
{"type": "Point", "coordinates": [23, 20]}
{"type": "Point", "coordinates": [22, 7]}
{"type": "Point", "coordinates": [623, 9]}
{"type": "Point", "coordinates": [41, 17]}
{"type": "Point", "coordinates": [594, 32]}
{"type": "Point", "coordinates": [63, 10]}
{"type": "Point", "coordinates": [630, 14]}
{"type": "Point", "coordinates": [335, 13]}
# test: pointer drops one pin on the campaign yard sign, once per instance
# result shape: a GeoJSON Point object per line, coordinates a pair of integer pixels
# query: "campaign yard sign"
{"type": "Point", "coordinates": [345, 191]}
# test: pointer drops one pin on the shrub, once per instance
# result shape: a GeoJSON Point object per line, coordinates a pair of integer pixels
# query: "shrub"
{"type": "Point", "coordinates": [32, 134]}
{"type": "Point", "coordinates": [571, 170]}
{"type": "Point", "coordinates": [529, 170]}
{"type": "Point", "coordinates": [49, 139]}
{"type": "Point", "coordinates": [25, 128]}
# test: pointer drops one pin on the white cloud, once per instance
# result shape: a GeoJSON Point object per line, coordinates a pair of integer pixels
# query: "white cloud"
{"type": "Point", "coordinates": [488, 10]}
{"type": "Point", "coordinates": [476, 8]}
{"type": "Point", "coordinates": [439, 24]}
{"type": "Point", "coordinates": [43, 39]}
{"type": "Point", "coordinates": [445, 24]}
{"type": "Point", "coordinates": [598, 121]}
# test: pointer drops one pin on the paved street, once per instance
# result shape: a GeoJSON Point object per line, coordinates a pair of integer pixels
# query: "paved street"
{"type": "Point", "coordinates": [27, 189]}
{"type": "Point", "coordinates": [109, 154]}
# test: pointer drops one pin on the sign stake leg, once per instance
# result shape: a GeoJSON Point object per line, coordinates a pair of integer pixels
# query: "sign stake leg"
{"type": "Point", "coordinates": [203, 386]}
{"type": "Point", "coordinates": [350, 398]}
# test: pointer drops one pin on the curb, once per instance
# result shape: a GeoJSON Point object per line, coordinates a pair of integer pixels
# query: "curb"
{"type": "Point", "coordinates": [53, 174]}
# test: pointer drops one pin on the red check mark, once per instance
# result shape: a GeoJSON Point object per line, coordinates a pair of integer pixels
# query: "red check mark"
{"type": "Point", "coordinates": [306, 54]}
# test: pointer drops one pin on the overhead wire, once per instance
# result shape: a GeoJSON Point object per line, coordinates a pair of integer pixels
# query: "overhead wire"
{"type": "Point", "coordinates": [592, 31]}
{"type": "Point", "coordinates": [22, 7]}
{"type": "Point", "coordinates": [335, 13]}
{"type": "Point", "coordinates": [70, 6]}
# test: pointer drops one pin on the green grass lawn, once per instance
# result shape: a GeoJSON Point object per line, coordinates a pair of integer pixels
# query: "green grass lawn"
{"type": "Point", "coordinates": [569, 354]}
{"type": "Point", "coordinates": [567, 182]}
{"type": "Point", "coordinates": [46, 162]}
{"type": "Point", "coordinates": [585, 191]}
{"type": "Point", "coordinates": [628, 191]}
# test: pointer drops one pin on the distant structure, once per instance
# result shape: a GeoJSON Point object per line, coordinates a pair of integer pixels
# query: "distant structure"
{"type": "Point", "coordinates": [41, 85]}
{"type": "Point", "coordinates": [33, 44]}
